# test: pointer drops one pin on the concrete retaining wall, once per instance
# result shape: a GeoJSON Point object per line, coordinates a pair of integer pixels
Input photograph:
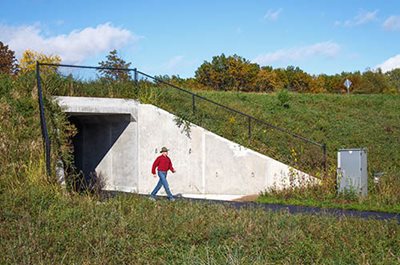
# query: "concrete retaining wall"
{"type": "Point", "coordinates": [205, 162]}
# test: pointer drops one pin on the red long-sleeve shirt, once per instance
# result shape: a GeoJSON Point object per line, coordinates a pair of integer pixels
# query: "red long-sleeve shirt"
{"type": "Point", "coordinates": [163, 163]}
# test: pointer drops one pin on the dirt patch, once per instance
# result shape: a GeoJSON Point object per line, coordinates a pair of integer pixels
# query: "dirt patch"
{"type": "Point", "coordinates": [247, 198]}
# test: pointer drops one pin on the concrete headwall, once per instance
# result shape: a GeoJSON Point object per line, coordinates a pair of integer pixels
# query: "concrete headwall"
{"type": "Point", "coordinates": [205, 162]}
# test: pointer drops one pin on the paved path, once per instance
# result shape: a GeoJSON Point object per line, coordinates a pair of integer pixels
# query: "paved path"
{"type": "Point", "coordinates": [306, 209]}
{"type": "Point", "coordinates": [287, 208]}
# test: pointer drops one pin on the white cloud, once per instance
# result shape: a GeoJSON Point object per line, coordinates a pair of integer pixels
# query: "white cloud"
{"type": "Point", "coordinates": [363, 17]}
{"type": "Point", "coordinates": [73, 47]}
{"type": "Point", "coordinates": [178, 64]}
{"type": "Point", "coordinates": [272, 15]}
{"type": "Point", "coordinates": [392, 23]}
{"type": "Point", "coordinates": [326, 49]}
{"type": "Point", "coordinates": [390, 64]}
{"type": "Point", "coordinates": [174, 63]}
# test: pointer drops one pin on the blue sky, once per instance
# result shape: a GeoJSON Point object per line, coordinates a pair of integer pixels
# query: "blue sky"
{"type": "Point", "coordinates": [175, 37]}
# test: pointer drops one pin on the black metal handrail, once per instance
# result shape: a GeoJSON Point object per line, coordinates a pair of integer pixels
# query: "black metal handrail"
{"type": "Point", "coordinates": [234, 110]}
{"type": "Point", "coordinates": [43, 123]}
{"type": "Point", "coordinates": [194, 96]}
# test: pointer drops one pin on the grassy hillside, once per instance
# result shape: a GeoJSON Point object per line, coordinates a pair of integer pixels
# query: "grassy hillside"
{"type": "Point", "coordinates": [41, 223]}
{"type": "Point", "coordinates": [339, 121]}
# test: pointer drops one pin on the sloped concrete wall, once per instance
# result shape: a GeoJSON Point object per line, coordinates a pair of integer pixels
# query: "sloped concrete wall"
{"type": "Point", "coordinates": [157, 128]}
{"type": "Point", "coordinates": [205, 162]}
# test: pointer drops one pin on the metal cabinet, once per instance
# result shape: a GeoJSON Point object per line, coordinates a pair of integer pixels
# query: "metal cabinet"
{"type": "Point", "coordinates": [352, 172]}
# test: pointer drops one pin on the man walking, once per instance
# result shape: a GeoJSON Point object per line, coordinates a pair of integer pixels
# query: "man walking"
{"type": "Point", "coordinates": [163, 164]}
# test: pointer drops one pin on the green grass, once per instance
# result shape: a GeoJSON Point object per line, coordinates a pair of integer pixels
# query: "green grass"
{"type": "Point", "coordinates": [334, 202]}
{"type": "Point", "coordinates": [41, 223]}
{"type": "Point", "coordinates": [341, 121]}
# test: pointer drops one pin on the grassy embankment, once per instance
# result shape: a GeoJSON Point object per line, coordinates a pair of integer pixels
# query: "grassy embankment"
{"type": "Point", "coordinates": [40, 223]}
{"type": "Point", "coordinates": [340, 121]}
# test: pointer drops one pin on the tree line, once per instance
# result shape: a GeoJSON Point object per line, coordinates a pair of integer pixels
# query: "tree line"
{"type": "Point", "coordinates": [236, 73]}
{"type": "Point", "coordinates": [229, 73]}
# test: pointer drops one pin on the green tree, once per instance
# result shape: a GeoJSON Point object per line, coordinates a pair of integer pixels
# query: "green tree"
{"type": "Point", "coordinates": [334, 84]}
{"type": "Point", "coordinates": [8, 62]}
{"type": "Point", "coordinates": [374, 82]}
{"type": "Point", "coordinates": [394, 79]}
{"type": "Point", "coordinates": [112, 63]}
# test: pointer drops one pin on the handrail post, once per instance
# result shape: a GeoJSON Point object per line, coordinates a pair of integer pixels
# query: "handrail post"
{"type": "Point", "coordinates": [135, 75]}
{"type": "Point", "coordinates": [43, 123]}
{"type": "Point", "coordinates": [249, 129]}
{"type": "Point", "coordinates": [135, 82]}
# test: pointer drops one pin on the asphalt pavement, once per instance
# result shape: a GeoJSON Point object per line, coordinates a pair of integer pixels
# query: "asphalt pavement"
{"type": "Point", "coordinates": [292, 209]}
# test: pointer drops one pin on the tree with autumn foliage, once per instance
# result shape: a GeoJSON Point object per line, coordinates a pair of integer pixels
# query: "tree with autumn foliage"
{"type": "Point", "coordinates": [318, 84]}
{"type": "Point", "coordinates": [239, 74]}
{"type": "Point", "coordinates": [228, 73]}
{"type": "Point", "coordinates": [30, 57]}
{"type": "Point", "coordinates": [214, 74]}
{"type": "Point", "coordinates": [8, 62]}
{"type": "Point", "coordinates": [242, 72]}
{"type": "Point", "coordinates": [266, 80]}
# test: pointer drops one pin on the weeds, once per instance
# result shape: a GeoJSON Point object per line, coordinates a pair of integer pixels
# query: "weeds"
{"type": "Point", "coordinates": [51, 227]}
{"type": "Point", "coordinates": [182, 120]}
{"type": "Point", "coordinates": [283, 97]}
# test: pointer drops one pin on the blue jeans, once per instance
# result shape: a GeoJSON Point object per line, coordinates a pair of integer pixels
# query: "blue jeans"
{"type": "Point", "coordinates": [162, 182]}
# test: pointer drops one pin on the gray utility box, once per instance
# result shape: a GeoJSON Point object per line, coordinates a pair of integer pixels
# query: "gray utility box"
{"type": "Point", "coordinates": [352, 173]}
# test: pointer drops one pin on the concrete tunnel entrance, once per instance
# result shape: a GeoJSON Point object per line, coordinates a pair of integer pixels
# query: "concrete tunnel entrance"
{"type": "Point", "coordinates": [94, 141]}
{"type": "Point", "coordinates": [106, 144]}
